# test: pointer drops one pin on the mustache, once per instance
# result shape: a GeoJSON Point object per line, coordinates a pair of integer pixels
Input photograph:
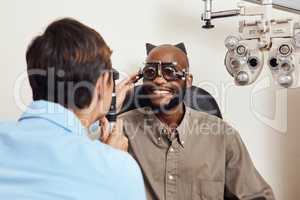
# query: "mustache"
{"type": "Point", "coordinates": [150, 87]}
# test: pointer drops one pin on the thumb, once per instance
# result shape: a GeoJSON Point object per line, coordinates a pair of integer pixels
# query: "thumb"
{"type": "Point", "coordinates": [104, 129]}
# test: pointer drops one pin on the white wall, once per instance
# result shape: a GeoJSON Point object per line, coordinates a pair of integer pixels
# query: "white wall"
{"type": "Point", "coordinates": [126, 26]}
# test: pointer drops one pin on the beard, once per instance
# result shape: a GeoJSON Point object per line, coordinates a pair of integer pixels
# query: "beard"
{"type": "Point", "coordinates": [177, 99]}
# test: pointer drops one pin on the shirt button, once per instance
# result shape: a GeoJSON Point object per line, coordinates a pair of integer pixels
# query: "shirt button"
{"type": "Point", "coordinates": [171, 177]}
{"type": "Point", "coordinates": [171, 149]}
{"type": "Point", "coordinates": [182, 142]}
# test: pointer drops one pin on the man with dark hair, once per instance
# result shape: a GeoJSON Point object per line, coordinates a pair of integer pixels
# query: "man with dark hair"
{"type": "Point", "coordinates": [47, 154]}
{"type": "Point", "coordinates": [186, 154]}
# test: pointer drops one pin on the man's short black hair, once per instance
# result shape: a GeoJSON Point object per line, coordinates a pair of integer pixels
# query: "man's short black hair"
{"type": "Point", "coordinates": [65, 62]}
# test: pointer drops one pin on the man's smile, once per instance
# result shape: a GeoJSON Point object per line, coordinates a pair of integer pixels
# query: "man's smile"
{"type": "Point", "coordinates": [161, 91]}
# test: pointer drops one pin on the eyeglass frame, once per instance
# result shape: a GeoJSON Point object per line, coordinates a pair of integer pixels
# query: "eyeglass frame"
{"type": "Point", "coordinates": [182, 73]}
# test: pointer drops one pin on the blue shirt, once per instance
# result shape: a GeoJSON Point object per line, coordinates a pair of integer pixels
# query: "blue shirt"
{"type": "Point", "coordinates": [47, 155]}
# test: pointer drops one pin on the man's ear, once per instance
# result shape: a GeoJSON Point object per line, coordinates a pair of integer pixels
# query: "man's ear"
{"type": "Point", "coordinates": [97, 90]}
{"type": "Point", "coordinates": [189, 81]}
{"type": "Point", "coordinates": [181, 46]}
{"type": "Point", "coordinates": [149, 47]}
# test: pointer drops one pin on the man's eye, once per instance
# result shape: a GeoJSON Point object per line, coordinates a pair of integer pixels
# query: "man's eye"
{"type": "Point", "coordinates": [149, 72]}
{"type": "Point", "coordinates": [170, 72]}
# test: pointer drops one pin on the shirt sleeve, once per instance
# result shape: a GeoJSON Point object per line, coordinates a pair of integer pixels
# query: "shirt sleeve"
{"type": "Point", "coordinates": [243, 182]}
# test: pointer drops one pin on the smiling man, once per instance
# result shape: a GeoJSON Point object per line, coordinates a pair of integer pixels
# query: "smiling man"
{"type": "Point", "coordinates": [184, 153]}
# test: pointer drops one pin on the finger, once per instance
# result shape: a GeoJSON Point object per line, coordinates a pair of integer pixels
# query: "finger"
{"type": "Point", "coordinates": [125, 139]}
{"type": "Point", "coordinates": [122, 92]}
{"type": "Point", "coordinates": [129, 80]}
{"type": "Point", "coordinates": [130, 86]}
{"type": "Point", "coordinates": [125, 147]}
{"type": "Point", "coordinates": [104, 129]}
{"type": "Point", "coordinates": [135, 77]}
{"type": "Point", "coordinates": [118, 128]}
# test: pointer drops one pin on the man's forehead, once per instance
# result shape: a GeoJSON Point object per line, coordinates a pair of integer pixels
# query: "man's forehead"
{"type": "Point", "coordinates": [168, 53]}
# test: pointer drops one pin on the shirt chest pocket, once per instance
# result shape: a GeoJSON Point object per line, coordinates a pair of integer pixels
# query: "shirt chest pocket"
{"type": "Point", "coordinates": [207, 190]}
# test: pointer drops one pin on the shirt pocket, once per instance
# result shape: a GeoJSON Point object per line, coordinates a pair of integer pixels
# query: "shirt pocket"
{"type": "Point", "coordinates": [207, 190]}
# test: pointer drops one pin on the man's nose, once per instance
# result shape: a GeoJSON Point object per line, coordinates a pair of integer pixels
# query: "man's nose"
{"type": "Point", "coordinates": [159, 80]}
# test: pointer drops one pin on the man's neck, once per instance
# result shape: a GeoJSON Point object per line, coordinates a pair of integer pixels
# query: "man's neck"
{"type": "Point", "coordinates": [173, 117]}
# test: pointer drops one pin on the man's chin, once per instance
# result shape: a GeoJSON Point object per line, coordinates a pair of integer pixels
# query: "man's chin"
{"type": "Point", "coordinates": [160, 102]}
{"type": "Point", "coordinates": [164, 106]}
{"type": "Point", "coordinates": [158, 106]}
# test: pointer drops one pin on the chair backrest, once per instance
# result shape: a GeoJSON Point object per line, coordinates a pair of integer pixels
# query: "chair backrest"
{"type": "Point", "coordinates": [195, 98]}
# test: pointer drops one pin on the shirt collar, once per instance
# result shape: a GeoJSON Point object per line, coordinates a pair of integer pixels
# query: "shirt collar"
{"type": "Point", "coordinates": [182, 129]}
{"type": "Point", "coordinates": [56, 114]}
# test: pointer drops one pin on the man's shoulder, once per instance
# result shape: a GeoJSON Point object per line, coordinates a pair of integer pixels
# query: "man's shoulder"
{"type": "Point", "coordinates": [11, 129]}
{"type": "Point", "coordinates": [211, 122]}
{"type": "Point", "coordinates": [7, 126]}
{"type": "Point", "coordinates": [135, 115]}
{"type": "Point", "coordinates": [203, 116]}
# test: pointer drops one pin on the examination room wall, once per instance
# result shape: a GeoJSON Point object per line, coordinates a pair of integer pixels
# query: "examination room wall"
{"type": "Point", "coordinates": [267, 119]}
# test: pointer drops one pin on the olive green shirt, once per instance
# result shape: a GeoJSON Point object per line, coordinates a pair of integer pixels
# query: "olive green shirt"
{"type": "Point", "coordinates": [203, 159]}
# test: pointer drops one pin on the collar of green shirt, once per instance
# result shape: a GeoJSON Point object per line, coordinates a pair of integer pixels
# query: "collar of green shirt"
{"type": "Point", "coordinates": [182, 129]}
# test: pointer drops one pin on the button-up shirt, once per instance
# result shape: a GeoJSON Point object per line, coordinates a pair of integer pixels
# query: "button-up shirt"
{"type": "Point", "coordinates": [48, 155]}
{"type": "Point", "coordinates": [203, 158]}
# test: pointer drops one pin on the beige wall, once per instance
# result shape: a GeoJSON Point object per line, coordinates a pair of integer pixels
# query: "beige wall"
{"type": "Point", "coordinates": [126, 26]}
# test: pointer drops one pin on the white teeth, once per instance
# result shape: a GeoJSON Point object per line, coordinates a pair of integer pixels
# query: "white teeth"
{"type": "Point", "coordinates": [161, 92]}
